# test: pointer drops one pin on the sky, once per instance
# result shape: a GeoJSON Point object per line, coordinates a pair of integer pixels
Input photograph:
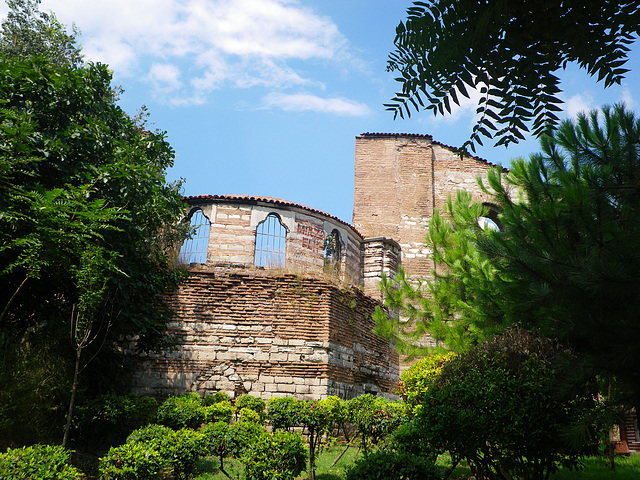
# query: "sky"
{"type": "Point", "coordinates": [266, 97]}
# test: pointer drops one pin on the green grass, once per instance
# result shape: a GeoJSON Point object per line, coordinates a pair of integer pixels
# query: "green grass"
{"type": "Point", "coordinates": [595, 468]}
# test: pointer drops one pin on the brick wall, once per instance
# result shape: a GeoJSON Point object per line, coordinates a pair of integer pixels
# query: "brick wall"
{"type": "Point", "coordinates": [232, 235]}
{"type": "Point", "coordinates": [270, 335]}
{"type": "Point", "coordinates": [399, 181]}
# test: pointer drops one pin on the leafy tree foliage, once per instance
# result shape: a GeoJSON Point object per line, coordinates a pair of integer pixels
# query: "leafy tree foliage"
{"type": "Point", "coordinates": [510, 51]}
{"type": "Point", "coordinates": [566, 260]}
{"type": "Point", "coordinates": [503, 407]}
{"type": "Point", "coordinates": [86, 235]}
{"type": "Point", "coordinates": [27, 32]}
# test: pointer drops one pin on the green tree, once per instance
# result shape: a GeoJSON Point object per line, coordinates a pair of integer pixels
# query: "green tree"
{"type": "Point", "coordinates": [567, 258]}
{"type": "Point", "coordinates": [87, 221]}
{"type": "Point", "coordinates": [28, 32]}
{"type": "Point", "coordinates": [510, 51]}
{"type": "Point", "coordinates": [504, 407]}
{"type": "Point", "coordinates": [460, 307]}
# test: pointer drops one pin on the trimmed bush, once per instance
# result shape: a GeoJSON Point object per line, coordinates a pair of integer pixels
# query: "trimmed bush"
{"type": "Point", "coordinates": [241, 436]}
{"type": "Point", "coordinates": [248, 415]}
{"type": "Point", "coordinates": [184, 411]}
{"type": "Point", "coordinates": [283, 413]}
{"type": "Point", "coordinates": [183, 449]}
{"type": "Point", "coordinates": [217, 412]}
{"type": "Point", "coordinates": [38, 462]}
{"type": "Point", "coordinates": [218, 397]}
{"type": "Point", "coordinates": [150, 433]}
{"type": "Point", "coordinates": [276, 456]}
{"type": "Point", "coordinates": [252, 403]}
{"type": "Point", "coordinates": [133, 461]}
{"type": "Point", "coordinates": [390, 465]}
{"type": "Point", "coordinates": [110, 418]}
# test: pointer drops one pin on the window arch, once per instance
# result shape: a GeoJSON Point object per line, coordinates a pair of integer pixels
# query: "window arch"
{"type": "Point", "coordinates": [194, 250]}
{"type": "Point", "coordinates": [271, 241]}
{"type": "Point", "coordinates": [333, 250]}
{"type": "Point", "coordinates": [490, 220]}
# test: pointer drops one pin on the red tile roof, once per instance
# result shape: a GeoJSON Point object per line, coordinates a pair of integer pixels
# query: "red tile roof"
{"type": "Point", "coordinates": [443, 145]}
{"type": "Point", "coordinates": [253, 199]}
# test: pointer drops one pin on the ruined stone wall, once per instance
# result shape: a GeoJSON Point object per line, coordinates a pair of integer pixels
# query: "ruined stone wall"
{"type": "Point", "coordinates": [232, 236]}
{"type": "Point", "coordinates": [399, 180]}
{"type": "Point", "coordinates": [380, 256]}
{"type": "Point", "coordinates": [270, 335]}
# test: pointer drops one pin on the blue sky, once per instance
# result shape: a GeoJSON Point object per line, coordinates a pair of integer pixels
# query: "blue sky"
{"type": "Point", "coordinates": [266, 97]}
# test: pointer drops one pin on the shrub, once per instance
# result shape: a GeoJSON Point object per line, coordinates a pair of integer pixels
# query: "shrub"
{"type": "Point", "coordinates": [504, 407]}
{"type": "Point", "coordinates": [38, 462]}
{"type": "Point", "coordinates": [110, 418]}
{"type": "Point", "coordinates": [416, 381]}
{"type": "Point", "coordinates": [132, 461]}
{"type": "Point", "coordinates": [183, 448]}
{"type": "Point", "coordinates": [391, 465]}
{"type": "Point", "coordinates": [218, 397]}
{"type": "Point", "coordinates": [313, 417]}
{"type": "Point", "coordinates": [283, 413]}
{"type": "Point", "coordinates": [241, 436]}
{"type": "Point", "coordinates": [217, 412]}
{"type": "Point", "coordinates": [150, 433]}
{"type": "Point", "coordinates": [248, 415]}
{"type": "Point", "coordinates": [375, 417]}
{"type": "Point", "coordinates": [216, 436]}
{"type": "Point", "coordinates": [275, 456]}
{"type": "Point", "coordinates": [184, 411]}
{"type": "Point", "coordinates": [253, 403]}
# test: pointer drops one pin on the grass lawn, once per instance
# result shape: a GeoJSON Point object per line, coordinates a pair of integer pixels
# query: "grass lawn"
{"type": "Point", "coordinates": [595, 468]}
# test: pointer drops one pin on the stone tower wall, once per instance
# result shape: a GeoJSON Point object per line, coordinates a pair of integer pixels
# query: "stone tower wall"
{"type": "Point", "coordinates": [399, 180]}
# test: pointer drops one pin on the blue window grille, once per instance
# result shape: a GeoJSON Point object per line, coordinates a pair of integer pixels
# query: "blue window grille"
{"type": "Point", "coordinates": [271, 238]}
{"type": "Point", "coordinates": [194, 250]}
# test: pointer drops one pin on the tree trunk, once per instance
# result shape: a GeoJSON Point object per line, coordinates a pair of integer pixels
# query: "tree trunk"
{"type": "Point", "coordinates": [74, 386]}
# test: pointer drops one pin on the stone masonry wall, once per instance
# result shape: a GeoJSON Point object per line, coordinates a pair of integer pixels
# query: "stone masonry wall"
{"type": "Point", "coordinates": [270, 335]}
{"type": "Point", "coordinates": [399, 180]}
{"type": "Point", "coordinates": [234, 221]}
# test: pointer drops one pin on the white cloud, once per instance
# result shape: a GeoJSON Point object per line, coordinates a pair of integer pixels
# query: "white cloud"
{"type": "Point", "coordinates": [213, 43]}
{"type": "Point", "coordinates": [164, 77]}
{"type": "Point", "coordinates": [301, 102]}
{"type": "Point", "coordinates": [579, 103]}
{"type": "Point", "coordinates": [627, 98]}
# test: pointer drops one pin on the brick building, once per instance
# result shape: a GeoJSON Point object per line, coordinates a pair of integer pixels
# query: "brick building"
{"type": "Point", "coordinates": [280, 297]}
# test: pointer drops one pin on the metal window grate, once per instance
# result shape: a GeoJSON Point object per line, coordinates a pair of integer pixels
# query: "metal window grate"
{"type": "Point", "coordinates": [271, 238]}
{"type": "Point", "coordinates": [194, 250]}
{"type": "Point", "coordinates": [333, 251]}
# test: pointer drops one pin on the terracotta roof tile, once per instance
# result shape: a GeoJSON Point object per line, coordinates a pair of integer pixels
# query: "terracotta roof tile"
{"type": "Point", "coordinates": [274, 201]}
{"type": "Point", "coordinates": [419, 135]}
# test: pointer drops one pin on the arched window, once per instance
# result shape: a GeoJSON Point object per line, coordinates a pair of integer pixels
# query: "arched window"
{"type": "Point", "coordinates": [271, 238]}
{"type": "Point", "coordinates": [333, 251]}
{"type": "Point", "coordinates": [490, 220]}
{"type": "Point", "coordinates": [194, 250]}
